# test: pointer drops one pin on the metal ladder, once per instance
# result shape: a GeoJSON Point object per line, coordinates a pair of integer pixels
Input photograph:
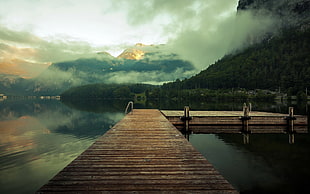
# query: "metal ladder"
{"type": "Point", "coordinates": [129, 105]}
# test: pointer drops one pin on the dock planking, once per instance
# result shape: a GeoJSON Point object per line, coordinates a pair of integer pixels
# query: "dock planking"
{"type": "Point", "coordinates": [143, 153]}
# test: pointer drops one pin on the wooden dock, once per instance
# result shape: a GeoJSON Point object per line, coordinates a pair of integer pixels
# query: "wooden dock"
{"type": "Point", "coordinates": [143, 153]}
{"type": "Point", "coordinates": [234, 118]}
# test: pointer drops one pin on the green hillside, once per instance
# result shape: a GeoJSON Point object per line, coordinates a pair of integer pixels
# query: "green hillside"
{"type": "Point", "coordinates": [280, 62]}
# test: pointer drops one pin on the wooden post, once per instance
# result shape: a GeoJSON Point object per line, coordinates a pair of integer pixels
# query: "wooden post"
{"type": "Point", "coordinates": [246, 111]}
{"type": "Point", "coordinates": [186, 135]}
{"type": "Point", "coordinates": [291, 111]}
{"type": "Point", "coordinates": [246, 118]}
{"type": "Point", "coordinates": [244, 105]}
{"type": "Point", "coordinates": [187, 118]}
{"type": "Point", "coordinates": [250, 108]}
{"type": "Point", "coordinates": [308, 116]}
{"type": "Point", "coordinates": [291, 119]}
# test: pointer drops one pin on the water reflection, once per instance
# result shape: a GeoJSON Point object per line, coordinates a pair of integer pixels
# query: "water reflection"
{"type": "Point", "coordinates": [39, 137]}
{"type": "Point", "coordinates": [246, 138]}
{"type": "Point", "coordinates": [266, 164]}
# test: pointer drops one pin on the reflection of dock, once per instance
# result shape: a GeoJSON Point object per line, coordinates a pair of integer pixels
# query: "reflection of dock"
{"type": "Point", "coordinates": [216, 129]}
{"type": "Point", "coordinates": [143, 153]}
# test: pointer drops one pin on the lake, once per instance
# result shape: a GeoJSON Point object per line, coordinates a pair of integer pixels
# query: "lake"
{"type": "Point", "coordinates": [38, 138]}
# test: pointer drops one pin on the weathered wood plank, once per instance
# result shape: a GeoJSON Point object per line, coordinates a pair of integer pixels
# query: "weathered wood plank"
{"type": "Point", "coordinates": [143, 153]}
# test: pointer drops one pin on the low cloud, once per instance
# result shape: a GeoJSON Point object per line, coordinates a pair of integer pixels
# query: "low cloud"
{"type": "Point", "coordinates": [209, 43]}
{"type": "Point", "coordinates": [22, 53]}
{"type": "Point", "coordinates": [201, 31]}
{"type": "Point", "coordinates": [151, 77]}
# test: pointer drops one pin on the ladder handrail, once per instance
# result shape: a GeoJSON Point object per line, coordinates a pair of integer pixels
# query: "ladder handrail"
{"type": "Point", "coordinates": [127, 107]}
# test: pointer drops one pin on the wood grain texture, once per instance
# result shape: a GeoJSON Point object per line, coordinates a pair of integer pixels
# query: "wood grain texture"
{"type": "Point", "coordinates": [143, 153]}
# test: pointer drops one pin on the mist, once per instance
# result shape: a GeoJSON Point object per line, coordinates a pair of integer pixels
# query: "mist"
{"type": "Point", "coordinates": [204, 46]}
{"type": "Point", "coordinates": [198, 31]}
{"type": "Point", "coordinates": [202, 32]}
{"type": "Point", "coordinates": [153, 77]}
{"type": "Point", "coordinates": [22, 53]}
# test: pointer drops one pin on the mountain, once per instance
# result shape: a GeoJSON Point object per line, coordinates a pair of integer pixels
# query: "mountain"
{"type": "Point", "coordinates": [11, 84]}
{"type": "Point", "coordinates": [133, 53]}
{"type": "Point", "coordinates": [138, 64]}
{"type": "Point", "coordinates": [288, 13]}
{"type": "Point", "coordinates": [281, 60]}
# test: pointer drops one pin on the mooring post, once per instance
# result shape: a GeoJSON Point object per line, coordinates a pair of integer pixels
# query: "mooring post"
{"type": "Point", "coordinates": [245, 123]}
{"type": "Point", "coordinates": [244, 105]}
{"type": "Point", "coordinates": [245, 119]}
{"type": "Point", "coordinates": [291, 119]}
{"type": "Point", "coordinates": [308, 116]}
{"type": "Point", "coordinates": [186, 117]}
{"type": "Point", "coordinates": [186, 135]}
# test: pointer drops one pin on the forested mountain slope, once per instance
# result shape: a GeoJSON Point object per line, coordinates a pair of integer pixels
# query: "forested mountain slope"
{"type": "Point", "coordinates": [283, 61]}
{"type": "Point", "coordinates": [280, 60]}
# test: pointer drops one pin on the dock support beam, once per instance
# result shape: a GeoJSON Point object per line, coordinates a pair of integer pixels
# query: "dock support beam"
{"type": "Point", "coordinates": [186, 118]}
{"type": "Point", "coordinates": [186, 115]}
{"type": "Point", "coordinates": [308, 116]}
{"type": "Point", "coordinates": [290, 119]}
{"type": "Point", "coordinates": [245, 119]}
{"type": "Point", "coordinates": [290, 125]}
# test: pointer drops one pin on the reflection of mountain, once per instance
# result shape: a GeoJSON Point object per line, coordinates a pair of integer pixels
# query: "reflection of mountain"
{"type": "Point", "coordinates": [56, 117]}
{"type": "Point", "coordinates": [96, 105]}
{"type": "Point", "coordinates": [40, 137]}
{"type": "Point", "coordinates": [141, 63]}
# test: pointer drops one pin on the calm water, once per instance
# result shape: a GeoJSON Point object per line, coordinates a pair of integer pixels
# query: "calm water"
{"type": "Point", "coordinates": [269, 164]}
{"type": "Point", "coordinates": [38, 138]}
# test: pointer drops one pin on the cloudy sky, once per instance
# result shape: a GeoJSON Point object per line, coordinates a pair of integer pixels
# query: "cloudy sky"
{"type": "Point", "coordinates": [36, 33]}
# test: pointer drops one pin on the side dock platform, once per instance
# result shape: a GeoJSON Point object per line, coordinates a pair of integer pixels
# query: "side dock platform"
{"type": "Point", "coordinates": [237, 121]}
